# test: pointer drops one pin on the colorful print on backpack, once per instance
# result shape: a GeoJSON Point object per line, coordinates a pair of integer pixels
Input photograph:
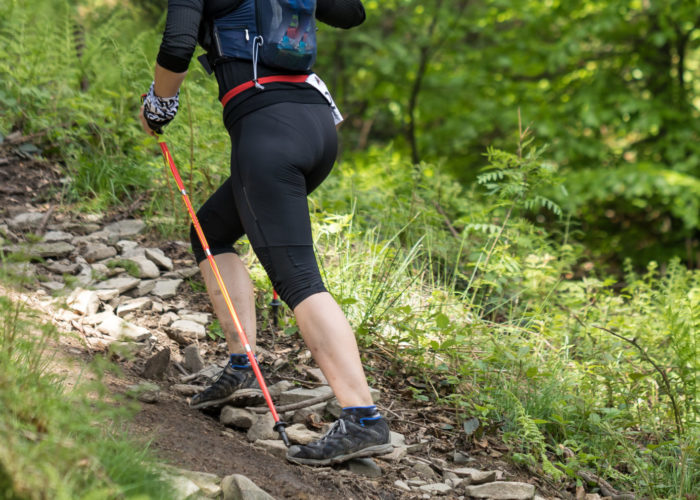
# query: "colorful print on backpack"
{"type": "Point", "coordinates": [289, 33]}
{"type": "Point", "coordinates": [280, 33]}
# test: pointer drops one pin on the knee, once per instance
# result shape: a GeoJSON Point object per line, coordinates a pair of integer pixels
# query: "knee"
{"type": "Point", "coordinates": [293, 272]}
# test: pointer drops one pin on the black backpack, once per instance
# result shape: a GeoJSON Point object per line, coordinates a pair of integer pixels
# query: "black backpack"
{"type": "Point", "coordinates": [279, 33]}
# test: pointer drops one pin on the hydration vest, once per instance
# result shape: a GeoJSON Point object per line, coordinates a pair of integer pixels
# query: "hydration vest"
{"type": "Point", "coordinates": [279, 33]}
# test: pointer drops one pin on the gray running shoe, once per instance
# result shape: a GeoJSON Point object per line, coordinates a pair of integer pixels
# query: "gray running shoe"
{"type": "Point", "coordinates": [351, 436]}
{"type": "Point", "coordinates": [236, 386]}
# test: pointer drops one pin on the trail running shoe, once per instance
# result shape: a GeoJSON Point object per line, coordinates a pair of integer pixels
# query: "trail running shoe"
{"type": "Point", "coordinates": [236, 385]}
{"type": "Point", "coordinates": [353, 435]}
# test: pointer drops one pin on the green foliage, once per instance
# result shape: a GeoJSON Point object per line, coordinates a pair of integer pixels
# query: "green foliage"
{"type": "Point", "coordinates": [58, 441]}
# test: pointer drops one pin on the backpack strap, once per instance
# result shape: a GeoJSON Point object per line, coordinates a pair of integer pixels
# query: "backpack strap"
{"type": "Point", "coordinates": [265, 79]}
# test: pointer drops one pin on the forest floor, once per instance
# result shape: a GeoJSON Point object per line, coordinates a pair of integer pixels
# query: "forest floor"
{"type": "Point", "coordinates": [197, 441]}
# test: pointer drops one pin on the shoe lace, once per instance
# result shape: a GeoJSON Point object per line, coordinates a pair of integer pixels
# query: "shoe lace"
{"type": "Point", "coordinates": [338, 427]}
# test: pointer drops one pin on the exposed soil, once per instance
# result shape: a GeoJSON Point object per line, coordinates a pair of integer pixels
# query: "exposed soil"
{"type": "Point", "coordinates": [197, 441]}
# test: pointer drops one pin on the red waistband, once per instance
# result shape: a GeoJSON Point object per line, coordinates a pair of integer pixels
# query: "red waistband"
{"type": "Point", "coordinates": [265, 79]}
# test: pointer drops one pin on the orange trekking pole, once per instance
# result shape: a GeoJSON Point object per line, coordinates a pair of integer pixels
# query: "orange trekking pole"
{"type": "Point", "coordinates": [279, 425]}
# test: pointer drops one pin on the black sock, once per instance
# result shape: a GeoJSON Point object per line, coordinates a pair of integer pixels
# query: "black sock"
{"type": "Point", "coordinates": [239, 361]}
{"type": "Point", "coordinates": [367, 415]}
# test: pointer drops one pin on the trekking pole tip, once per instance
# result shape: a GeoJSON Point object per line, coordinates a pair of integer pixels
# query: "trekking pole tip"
{"type": "Point", "coordinates": [279, 427]}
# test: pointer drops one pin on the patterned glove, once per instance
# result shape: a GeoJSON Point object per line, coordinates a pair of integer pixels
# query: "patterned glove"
{"type": "Point", "coordinates": [159, 111]}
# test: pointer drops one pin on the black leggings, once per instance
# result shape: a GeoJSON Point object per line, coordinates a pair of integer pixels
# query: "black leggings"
{"type": "Point", "coordinates": [279, 155]}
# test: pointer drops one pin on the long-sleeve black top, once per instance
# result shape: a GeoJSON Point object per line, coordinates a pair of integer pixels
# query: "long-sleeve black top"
{"type": "Point", "coordinates": [186, 26]}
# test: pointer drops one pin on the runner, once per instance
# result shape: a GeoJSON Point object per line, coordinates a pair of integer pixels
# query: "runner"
{"type": "Point", "coordinates": [281, 121]}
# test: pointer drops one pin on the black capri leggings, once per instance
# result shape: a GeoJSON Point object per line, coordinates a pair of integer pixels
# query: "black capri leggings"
{"type": "Point", "coordinates": [279, 155]}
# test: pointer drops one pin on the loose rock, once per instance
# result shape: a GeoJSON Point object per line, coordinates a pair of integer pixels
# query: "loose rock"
{"type": "Point", "coordinates": [157, 364]}
{"type": "Point", "coordinates": [99, 251]}
{"type": "Point", "coordinates": [273, 446]}
{"type": "Point", "coordinates": [25, 221]}
{"type": "Point", "coordinates": [122, 284]}
{"type": "Point", "coordinates": [193, 360]}
{"type": "Point", "coordinates": [475, 476]}
{"type": "Point", "coordinates": [280, 387]}
{"type": "Point", "coordinates": [237, 417]}
{"type": "Point", "coordinates": [298, 395]}
{"type": "Point", "coordinates": [146, 268]}
{"type": "Point", "coordinates": [145, 392]}
{"type": "Point", "coordinates": [158, 257]}
{"type": "Point", "coordinates": [365, 467]}
{"type": "Point", "coordinates": [126, 228]}
{"type": "Point", "coordinates": [189, 329]}
{"type": "Point", "coordinates": [262, 428]}
{"type": "Point", "coordinates": [57, 236]}
{"type": "Point", "coordinates": [299, 434]}
{"type": "Point", "coordinates": [133, 305]}
{"type": "Point", "coordinates": [83, 301]}
{"type": "Point", "coordinates": [502, 490]}
{"type": "Point", "coordinates": [119, 329]}
{"type": "Point", "coordinates": [436, 488]}
{"type": "Point", "coordinates": [186, 389]}
{"type": "Point", "coordinates": [239, 487]}
{"type": "Point", "coordinates": [402, 485]}
{"type": "Point", "coordinates": [166, 289]}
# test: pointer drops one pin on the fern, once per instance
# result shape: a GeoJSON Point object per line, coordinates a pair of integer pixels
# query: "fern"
{"type": "Point", "coordinates": [531, 440]}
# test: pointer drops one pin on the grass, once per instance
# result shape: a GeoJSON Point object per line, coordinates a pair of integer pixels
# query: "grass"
{"type": "Point", "coordinates": [58, 439]}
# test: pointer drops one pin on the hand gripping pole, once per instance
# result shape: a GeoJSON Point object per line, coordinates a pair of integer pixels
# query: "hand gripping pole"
{"type": "Point", "coordinates": [279, 425]}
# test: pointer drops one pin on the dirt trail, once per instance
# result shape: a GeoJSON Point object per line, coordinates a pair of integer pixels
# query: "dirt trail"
{"type": "Point", "coordinates": [196, 441]}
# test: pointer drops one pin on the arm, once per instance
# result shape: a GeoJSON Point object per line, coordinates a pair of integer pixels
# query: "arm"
{"type": "Point", "coordinates": [176, 49]}
{"type": "Point", "coordinates": [340, 13]}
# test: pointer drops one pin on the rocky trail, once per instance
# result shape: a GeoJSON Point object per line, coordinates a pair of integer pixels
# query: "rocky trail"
{"type": "Point", "coordinates": [123, 293]}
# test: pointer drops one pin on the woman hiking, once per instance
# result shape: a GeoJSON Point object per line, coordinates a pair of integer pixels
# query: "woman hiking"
{"type": "Point", "coordinates": [281, 121]}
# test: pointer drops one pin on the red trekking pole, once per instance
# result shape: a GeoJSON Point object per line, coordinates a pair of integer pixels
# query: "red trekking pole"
{"type": "Point", "coordinates": [279, 425]}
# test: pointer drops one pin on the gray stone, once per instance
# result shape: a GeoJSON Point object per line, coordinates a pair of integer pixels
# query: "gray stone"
{"type": "Point", "coordinates": [99, 269]}
{"type": "Point", "coordinates": [79, 227]}
{"type": "Point", "coordinates": [208, 484]}
{"type": "Point", "coordinates": [98, 251]}
{"type": "Point", "coordinates": [461, 458]}
{"type": "Point", "coordinates": [126, 228]}
{"type": "Point", "coordinates": [134, 253]}
{"type": "Point", "coordinates": [364, 467]}
{"type": "Point", "coordinates": [273, 447]}
{"type": "Point", "coordinates": [397, 440]}
{"type": "Point", "coordinates": [133, 305]}
{"type": "Point", "coordinates": [146, 268]}
{"type": "Point", "coordinates": [25, 221]}
{"type": "Point", "coordinates": [119, 329]}
{"type": "Point", "coordinates": [239, 487]}
{"type": "Point", "coordinates": [20, 269]}
{"type": "Point", "coordinates": [237, 417]}
{"type": "Point", "coordinates": [122, 284]}
{"type": "Point", "coordinates": [106, 295]}
{"type": "Point", "coordinates": [424, 470]}
{"type": "Point", "coordinates": [280, 387]}
{"type": "Point", "coordinates": [125, 245]}
{"type": "Point", "coordinates": [308, 414]}
{"type": "Point", "coordinates": [402, 485]}
{"type": "Point", "coordinates": [298, 395]}
{"type": "Point", "coordinates": [157, 364]}
{"type": "Point", "coordinates": [61, 267]}
{"type": "Point", "coordinates": [502, 490]}
{"type": "Point", "coordinates": [84, 276]}
{"type": "Point", "coordinates": [146, 392]}
{"type": "Point", "coordinates": [193, 360]}
{"type": "Point", "coordinates": [41, 250]}
{"type": "Point", "coordinates": [53, 286]}
{"type": "Point", "coordinates": [475, 476]}
{"type": "Point", "coordinates": [158, 257]}
{"type": "Point", "coordinates": [416, 482]}
{"type": "Point", "coordinates": [183, 488]}
{"type": "Point", "coordinates": [436, 488]}
{"type": "Point", "coordinates": [189, 329]}
{"type": "Point", "coordinates": [84, 302]}
{"type": "Point", "coordinates": [166, 289]}
{"type": "Point", "coordinates": [57, 236]}
{"type": "Point", "coordinates": [262, 428]}
{"type": "Point", "coordinates": [143, 288]}
{"type": "Point", "coordinates": [299, 434]}
{"type": "Point", "coordinates": [396, 454]}
{"type": "Point", "coordinates": [167, 319]}
{"type": "Point", "coordinates": [201, 318]}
